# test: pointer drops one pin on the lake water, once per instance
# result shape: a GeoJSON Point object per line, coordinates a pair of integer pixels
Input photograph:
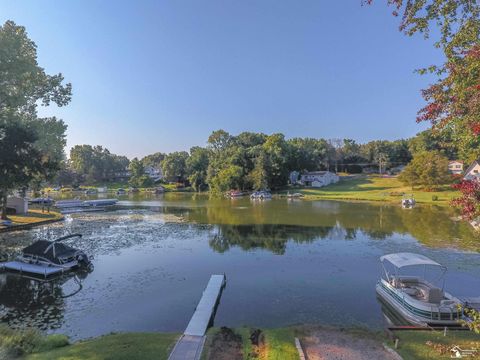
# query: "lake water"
{"type": "Point", "coordinates": [287, 262]}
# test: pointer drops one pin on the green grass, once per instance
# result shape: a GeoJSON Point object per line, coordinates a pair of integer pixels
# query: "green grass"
{"type": "Point", "coordinates": [375, 188]}
{"type": "Point", "coordinates": [413, 344]}
{"type": "Point", "coordinates": [280, 344]}
{"type": "Point", "coordinates": [33, 216]}
{"type": "Point", "coordinates": [126, 346]}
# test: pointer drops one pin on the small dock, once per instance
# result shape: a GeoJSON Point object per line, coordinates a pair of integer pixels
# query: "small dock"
{"type": "Point", "coordinates": [34, 269]}
{"type": "Point", "coordinates": [190, 344]}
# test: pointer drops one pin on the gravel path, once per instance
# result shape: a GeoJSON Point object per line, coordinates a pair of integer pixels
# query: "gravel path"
{"type": "Point", "coordinates": [332, 344]}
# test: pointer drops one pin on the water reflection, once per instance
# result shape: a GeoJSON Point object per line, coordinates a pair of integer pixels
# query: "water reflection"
{"type": "Point", "coordinates": [29, 302]}
{"type": "Point", "coordinates": [153, 256]}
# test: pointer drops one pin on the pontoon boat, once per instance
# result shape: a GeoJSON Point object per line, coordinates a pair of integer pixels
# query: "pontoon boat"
{"type": "Point", "coordinates": [417, 300]}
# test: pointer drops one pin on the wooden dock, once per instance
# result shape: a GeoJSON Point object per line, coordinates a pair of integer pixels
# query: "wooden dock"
{"type": "Point", "coordinates": [190, 344]}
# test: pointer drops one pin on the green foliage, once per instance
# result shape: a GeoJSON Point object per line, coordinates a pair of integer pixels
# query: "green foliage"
{"type": "Point", "coordinates": [137, 174]}
{"type": "Point", "coordinates": [174, 166]}
{"type": "Point", "coordinates": [15, 343]}
{"type": "Point", "coordinates": [95, 163]}
{"type": "Point", "coordinates": [197, 168]}
{"type": "Point", "coordinates": [474, 323]}
{"type": "Point", "coordinates": [429, 169]}
{"type": "Point", "coordinates": [32, 148]}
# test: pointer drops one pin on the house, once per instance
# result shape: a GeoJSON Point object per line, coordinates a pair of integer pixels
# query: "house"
{"type": "Point", "coordinates": [473, 171]}
{"type": "Point", "coordinates": [17, 203]}
{"type": "Point", "coordinates": [455, 167]}
{"type": "Point", "coordinates": [318, 178]}
{"type": "Point", "coordinates": [153, 173]}
{"type": "Point", "coordinates": [396, 170]}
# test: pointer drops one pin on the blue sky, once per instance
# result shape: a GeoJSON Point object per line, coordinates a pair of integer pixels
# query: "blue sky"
{"type": "Point", "coordinates": [153, 76]}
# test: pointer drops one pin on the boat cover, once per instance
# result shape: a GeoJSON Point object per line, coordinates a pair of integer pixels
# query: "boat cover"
{"type": "Point", "coordinates": [408, 259]}
{"type": "Point", "coordinates": [58, 250]}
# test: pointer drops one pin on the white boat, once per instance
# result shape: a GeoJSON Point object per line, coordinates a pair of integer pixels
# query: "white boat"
{"type": "Point", "coordinates": [261, 195]}
{"type": "Point", "coordinates": [417, 300]}
{"type": "Point", "coordinates": [408, 202]}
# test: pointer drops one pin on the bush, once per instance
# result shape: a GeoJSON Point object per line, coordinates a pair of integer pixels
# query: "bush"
{"type": "Point", "coordinates": [434, 198]}
{"type": "Point", "coordinates": [15, 343]}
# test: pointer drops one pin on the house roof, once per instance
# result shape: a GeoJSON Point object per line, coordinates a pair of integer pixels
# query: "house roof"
{"type": "Point", "coordinates": [455, 161]}
{"type": "Point", "coordinates": [470, 168]}
{"type": "Point", "coordinates": [400, 260]}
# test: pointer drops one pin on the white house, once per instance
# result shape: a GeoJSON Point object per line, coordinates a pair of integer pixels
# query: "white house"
{"type": "Point", "coordinates": [455, 167]}
{"type": "Point", "coordinates": [19, 204]}
{"type": "Point", "coordinates": [153, 173]}
{"type": "Point", "coordinates": [473, 171]}
{"type": "Point", "coordinates": [318, 178]}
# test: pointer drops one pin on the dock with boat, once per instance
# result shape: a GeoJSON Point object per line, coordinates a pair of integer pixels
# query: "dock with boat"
{"type": "Point", "coordinates": [190, 345]}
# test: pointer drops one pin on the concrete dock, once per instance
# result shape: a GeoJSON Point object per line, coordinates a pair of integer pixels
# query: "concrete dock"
{"type": "Point", "coordinates": [190, 344]}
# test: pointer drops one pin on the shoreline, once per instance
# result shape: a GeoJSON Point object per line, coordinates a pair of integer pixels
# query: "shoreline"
{"type": "Point", "coordinates": [268, 343]}
{"type": "Point", "coordinates": [55, 217]}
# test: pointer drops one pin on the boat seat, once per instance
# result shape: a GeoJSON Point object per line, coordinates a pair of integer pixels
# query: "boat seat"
{"type": "Point", "coordinates": [434, 295]}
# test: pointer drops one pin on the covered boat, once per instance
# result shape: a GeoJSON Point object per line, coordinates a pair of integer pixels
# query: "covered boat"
{"type": "Point", "coordinates": [55, 253]}
{"type": "Point", "coordinates": [416, 299]}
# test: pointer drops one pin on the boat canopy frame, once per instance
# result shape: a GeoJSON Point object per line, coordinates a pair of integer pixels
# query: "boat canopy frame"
{"type": "Point", "coordinates": [402, 260]}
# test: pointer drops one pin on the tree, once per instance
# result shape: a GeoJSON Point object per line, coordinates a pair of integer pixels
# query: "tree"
{"type": "Point", "coordinates": [259, 174]}
{"type": "Point", "coordinates": [20, 161]}
{"type": "Point", "coordinates": [25, 85]}
{"type": "Point", "coordinates": [174, 166]}
{"type": "Point", "coordinates": [429, 169]}
{"type": "Point", "coordinates": [95, 163]}
{"type": "Point", "coordinates": [197, 167]}
{"type": "Point", "coordinates": [137, 174]}
{"type": "Point", "coordinates": [453, 102]}
{"type": "Point", "coordinates": [154, 160]}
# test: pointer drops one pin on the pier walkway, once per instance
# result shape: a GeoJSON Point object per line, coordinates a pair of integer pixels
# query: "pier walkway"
{"type": "Point", "coordinates": [190, 344]}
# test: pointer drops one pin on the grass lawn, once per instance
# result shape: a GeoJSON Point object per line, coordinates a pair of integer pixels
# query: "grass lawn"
{"type": "Point", "coordinates": [375, 188]}
{"type": "Point", "coordinates": [420, 345]}
{"type": "Point", "coordinates": [126, 346]}
{"type": "Point", "coordinates": [33, 216]}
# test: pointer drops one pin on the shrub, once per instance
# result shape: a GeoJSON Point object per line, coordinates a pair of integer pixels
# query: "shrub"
{"type": "Point", "coordinates": [434, 198]}
{"type": "Point", "coordinates": [15, 343]}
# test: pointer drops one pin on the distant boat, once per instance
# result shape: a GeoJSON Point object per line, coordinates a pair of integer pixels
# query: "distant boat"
{"type": "Point", "coordinates": [235, 194]}
{"type": "Point", "coordinates": [261, 195]}
{"type": "Point", "coordinates": [408, 202]}
{"type": "Point", "coordinates": [294, 195]}
{"type": "Point", "coordinates": [76, 205]}
{"type": "Point", "coordinates": [90, 191]}
{"type": "Point", "coordinates": [133, 190]}
{"type": "Point", "coordinates": [121, 191]}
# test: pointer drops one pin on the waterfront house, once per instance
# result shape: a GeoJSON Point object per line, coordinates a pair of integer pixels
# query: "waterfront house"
{"type": "Point", "coordinates": [473, 171]}
{"type": "Point", "coordinates": [318, 178]}
{"type": "Point", "coordinates": [153, 173]}
{"type": "Point", "coordinates": [455, 167]}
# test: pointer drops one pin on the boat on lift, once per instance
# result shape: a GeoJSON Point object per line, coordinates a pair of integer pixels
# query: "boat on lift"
{"type": "Point", "coordinates": [47, 258]}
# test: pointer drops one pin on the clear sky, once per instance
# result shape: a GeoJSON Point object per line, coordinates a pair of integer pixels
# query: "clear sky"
{"type": "Point", "coordinates": [153, 76]}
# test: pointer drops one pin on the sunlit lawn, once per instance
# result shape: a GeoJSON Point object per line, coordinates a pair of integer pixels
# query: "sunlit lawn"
{"type": "Point", "coordinates": [128, 346]}
{"type": "Point", "coordinates": [420, 345]}
{"type": "Point", "coordinates": [33, 216]}
{"type": "Point", "coordinates": [376, 188]}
